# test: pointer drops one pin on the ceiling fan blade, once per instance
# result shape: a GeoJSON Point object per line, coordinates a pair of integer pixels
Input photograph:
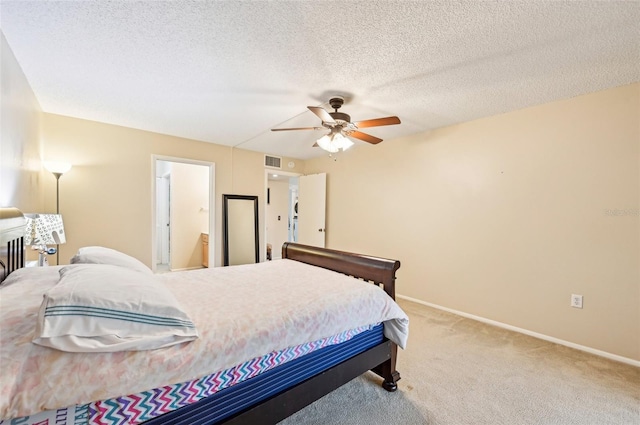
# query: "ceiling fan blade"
{"type": "Point", "coordinates": [365, 137]}
{"type": "Point", "coordinates": [315, 145]}
{"type": "Point", "coordinates": [298, 128]}
{"type": "Point", "coordinates": [377, 122]}
{"type": "Point", "coordinates": [322, 114]}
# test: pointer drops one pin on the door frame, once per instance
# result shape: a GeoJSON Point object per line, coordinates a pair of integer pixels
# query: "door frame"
{"type": "Point", "coordinates": [212, 202]}
{"type": "Point", "coordinates": [267, 171]}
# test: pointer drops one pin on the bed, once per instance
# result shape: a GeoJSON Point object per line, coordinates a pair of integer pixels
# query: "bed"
{"type": "Point", "coordinates": [270, 391]}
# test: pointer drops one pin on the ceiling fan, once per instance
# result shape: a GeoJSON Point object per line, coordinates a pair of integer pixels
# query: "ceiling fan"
{"type": "Point", "coordinates": [340, 125]}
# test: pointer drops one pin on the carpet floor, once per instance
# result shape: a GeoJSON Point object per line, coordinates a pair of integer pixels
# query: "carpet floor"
{"type": "Point", "coordinates": [457, 371]}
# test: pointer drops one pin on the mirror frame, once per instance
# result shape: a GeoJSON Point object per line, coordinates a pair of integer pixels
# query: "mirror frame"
{"type": "Point", "coordinates": [225, 224]}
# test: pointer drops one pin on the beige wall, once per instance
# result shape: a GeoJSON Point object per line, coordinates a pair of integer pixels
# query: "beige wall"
{"type": "Point", "coordinates": [506, 217]}
{"type": "Point", "coordinates": [249, 178]}
{"type": "Point", "coordinates": [20, 148]}
{"type": "Point", "coordinates": [106, 197]}
{"type": "Point", "coordinates": [189, 214]}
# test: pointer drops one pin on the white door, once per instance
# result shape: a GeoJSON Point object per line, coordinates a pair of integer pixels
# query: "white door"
{"type": "Point", "coordinates": [312, 209]}
{"type": "Point", "coordinates": [162, 220]}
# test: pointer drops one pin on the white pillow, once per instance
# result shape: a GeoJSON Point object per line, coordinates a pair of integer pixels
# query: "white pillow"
{"type": "Point", "coordinates": [102, 255]}
{"type": "Point", "coordinates": [104, 308]}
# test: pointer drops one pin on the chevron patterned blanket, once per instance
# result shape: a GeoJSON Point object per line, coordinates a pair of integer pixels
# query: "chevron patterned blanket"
{"type": "Point", "coordinates": [283, 308]}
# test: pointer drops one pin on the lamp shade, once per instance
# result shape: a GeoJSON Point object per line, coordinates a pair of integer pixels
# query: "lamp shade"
{"type": "Point", "coordinates": [334, 142]}
{"type": "Point", "coordinates": [57, 167]}
{"type": "Point", "coordinates": [44, 229]}
{"type": "Point", "coordinates": [325, 143]}
{"type": "Point", "coordinates": [342, 142]}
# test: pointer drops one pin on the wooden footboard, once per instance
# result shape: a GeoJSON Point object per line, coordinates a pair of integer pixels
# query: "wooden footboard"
{"type": "Point", "coordinates": [380, 271]}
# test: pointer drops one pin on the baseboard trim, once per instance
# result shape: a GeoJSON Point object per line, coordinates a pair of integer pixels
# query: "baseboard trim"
{"type": "Point", "coordinates": [590, 350]}
{"type": "Point", "coordinates": [187, 268]}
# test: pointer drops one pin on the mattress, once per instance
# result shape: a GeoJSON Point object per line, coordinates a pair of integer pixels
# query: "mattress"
{"type": "Point", "coordinates": [177, 405]}
{"type": "Point", "coordinates": [241, 313]}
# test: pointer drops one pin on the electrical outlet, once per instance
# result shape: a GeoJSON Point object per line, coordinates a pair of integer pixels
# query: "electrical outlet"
{"type": "Point", "coordinates": [576, 301]}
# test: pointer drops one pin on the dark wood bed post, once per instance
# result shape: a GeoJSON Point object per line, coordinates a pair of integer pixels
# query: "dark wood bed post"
{"type": "Point", "coordinates": [387, 370]}
{"type": "Point", "coordinates": [381, 271]}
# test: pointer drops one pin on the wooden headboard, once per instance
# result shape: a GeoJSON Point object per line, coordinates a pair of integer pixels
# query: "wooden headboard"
{"type": "Point", "coordinates": [12, 249]}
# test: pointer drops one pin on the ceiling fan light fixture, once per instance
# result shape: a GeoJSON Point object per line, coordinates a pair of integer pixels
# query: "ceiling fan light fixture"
{"type": "Point", "coordinates": [334, 142]}
{"type": "Point", "coordinates": [326, 143]}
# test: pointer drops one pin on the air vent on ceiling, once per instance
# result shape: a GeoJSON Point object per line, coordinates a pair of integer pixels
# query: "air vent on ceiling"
{"type": "Point", "coordinates": [272, 161]}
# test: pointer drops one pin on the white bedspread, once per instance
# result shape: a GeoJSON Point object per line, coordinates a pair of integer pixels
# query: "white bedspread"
{"type": "Point", "coordinates": [241, 312]}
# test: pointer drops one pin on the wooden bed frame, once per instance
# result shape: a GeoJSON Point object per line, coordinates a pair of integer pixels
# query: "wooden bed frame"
{"type": "Point", "coordinates": [381, 358]}
{"type": "Point", "coordinates": [12, 252]}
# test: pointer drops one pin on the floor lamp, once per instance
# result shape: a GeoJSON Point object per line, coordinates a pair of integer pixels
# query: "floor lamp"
{"type": "Point", "coordinates": [57, 169]}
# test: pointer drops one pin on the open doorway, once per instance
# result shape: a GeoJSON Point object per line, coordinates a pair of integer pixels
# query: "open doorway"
{"type": "Point", "coordinates": [281, 218]}
{"type": "Point", "coordinates": [183, 219]}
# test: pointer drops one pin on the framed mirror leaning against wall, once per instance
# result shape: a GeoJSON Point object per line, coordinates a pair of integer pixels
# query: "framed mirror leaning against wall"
{"type": "Point", "coordinates": [240, 229]}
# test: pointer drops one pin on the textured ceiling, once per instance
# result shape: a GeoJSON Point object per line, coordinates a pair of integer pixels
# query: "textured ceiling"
{"type": "Point", "coordinates": [228, 71]}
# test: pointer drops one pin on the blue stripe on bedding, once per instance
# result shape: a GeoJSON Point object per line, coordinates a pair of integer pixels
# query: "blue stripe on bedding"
{"type": "Point", "coordinates": [235, 399]}
{"type": "Point", "coordinates": [79, 310]}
